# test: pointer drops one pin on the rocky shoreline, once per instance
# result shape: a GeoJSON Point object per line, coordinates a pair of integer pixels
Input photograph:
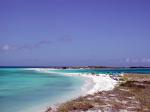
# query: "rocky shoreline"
{"type": "Point", "coordinates": [131, 95]}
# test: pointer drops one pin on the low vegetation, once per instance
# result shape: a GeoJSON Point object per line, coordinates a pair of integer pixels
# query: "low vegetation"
{"type": "Point", "coordinates": [133, 94]}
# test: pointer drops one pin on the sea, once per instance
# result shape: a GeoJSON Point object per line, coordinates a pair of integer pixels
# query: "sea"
{"type": "Point", "coordinates": [34, 89]}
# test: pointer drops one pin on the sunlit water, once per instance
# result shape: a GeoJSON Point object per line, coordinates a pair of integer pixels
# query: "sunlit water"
{"type": "Point", "coordinates": [22, 88]}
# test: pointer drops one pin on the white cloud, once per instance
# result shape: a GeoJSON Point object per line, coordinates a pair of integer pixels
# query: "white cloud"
{"type": "Point", "coordinates": [146, 60]}
{"type": "Point", "coordinates": [7, 47]}
{"type": "Point", "coordinates": [10, 47]}
{"type": "Point", "coordinates": [140, 60]}
{"type": "Point", "coordinates": [127, 60]}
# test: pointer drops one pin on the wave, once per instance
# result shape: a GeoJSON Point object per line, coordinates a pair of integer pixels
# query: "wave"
{"type": "Point", "coordinates": [100, 82]}
{"type": "Point", "coordinates": [93, 83]}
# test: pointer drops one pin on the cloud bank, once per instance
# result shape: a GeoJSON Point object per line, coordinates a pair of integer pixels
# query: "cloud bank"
{"type": "Point", "coordinates": [141, 60]}
{"type": "Point", "coordinates": [11, 47]}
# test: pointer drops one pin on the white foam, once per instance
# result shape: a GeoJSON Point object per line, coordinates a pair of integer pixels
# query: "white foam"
{"type": "Point", "coordinates": [94, 82]}
{"type": "Point", "coordinates": [43, 70]}
{"type": "Point", "coordinates": [100, 82]}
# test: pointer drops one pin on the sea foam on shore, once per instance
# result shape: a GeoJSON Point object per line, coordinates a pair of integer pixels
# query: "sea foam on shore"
{"type": "Point", "coordinates": [93, 82]}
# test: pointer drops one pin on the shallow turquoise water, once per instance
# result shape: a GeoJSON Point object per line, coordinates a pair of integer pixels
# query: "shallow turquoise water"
{"type": "Point", "coordinates": [22, 88]}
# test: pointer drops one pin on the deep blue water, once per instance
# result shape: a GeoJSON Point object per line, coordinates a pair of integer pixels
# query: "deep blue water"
{"type": "Point", "coordinates": [22, 88]}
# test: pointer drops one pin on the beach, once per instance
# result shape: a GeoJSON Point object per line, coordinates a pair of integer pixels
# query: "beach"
{"type": "Point", "coordinates": [64, 90]}
{"type": "Point", "coordinates": [96, 82]}
{"type": "Point", "coordinates": [74, 55]}
{"type": "Point", "coordinates": [131, 93]}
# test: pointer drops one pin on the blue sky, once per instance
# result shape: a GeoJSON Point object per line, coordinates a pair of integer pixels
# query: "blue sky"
{"type": "Point", "coordinates": [75, 32]}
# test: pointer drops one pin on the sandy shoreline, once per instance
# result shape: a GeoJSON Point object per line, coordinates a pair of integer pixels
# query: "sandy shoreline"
{"type": "Point", "coordinates": [96, 82]}
{"type": "Point", "coordinates": [93, 84]}
{"type": "Point", "coordinates": [103, 92]}
{"type": "Point", "coordinates": [132, 94]}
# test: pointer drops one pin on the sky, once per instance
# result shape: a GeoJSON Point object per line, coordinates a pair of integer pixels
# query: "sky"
{"type": "Point", "coordinates": [74, 32]}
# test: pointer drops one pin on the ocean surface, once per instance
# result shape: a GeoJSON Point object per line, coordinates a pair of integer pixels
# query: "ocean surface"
{"type": "Point", "coordinates": [26, 89]}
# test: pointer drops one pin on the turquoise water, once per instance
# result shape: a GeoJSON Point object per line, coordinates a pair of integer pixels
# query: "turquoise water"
{"type": "Point", "coordinates": [106, 70]}
{"type": "Point", "coordinates": [22, 88]}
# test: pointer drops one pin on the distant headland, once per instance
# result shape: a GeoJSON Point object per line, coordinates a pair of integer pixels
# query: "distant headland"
{"type": "Point", "coordinates": [75, 67]}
